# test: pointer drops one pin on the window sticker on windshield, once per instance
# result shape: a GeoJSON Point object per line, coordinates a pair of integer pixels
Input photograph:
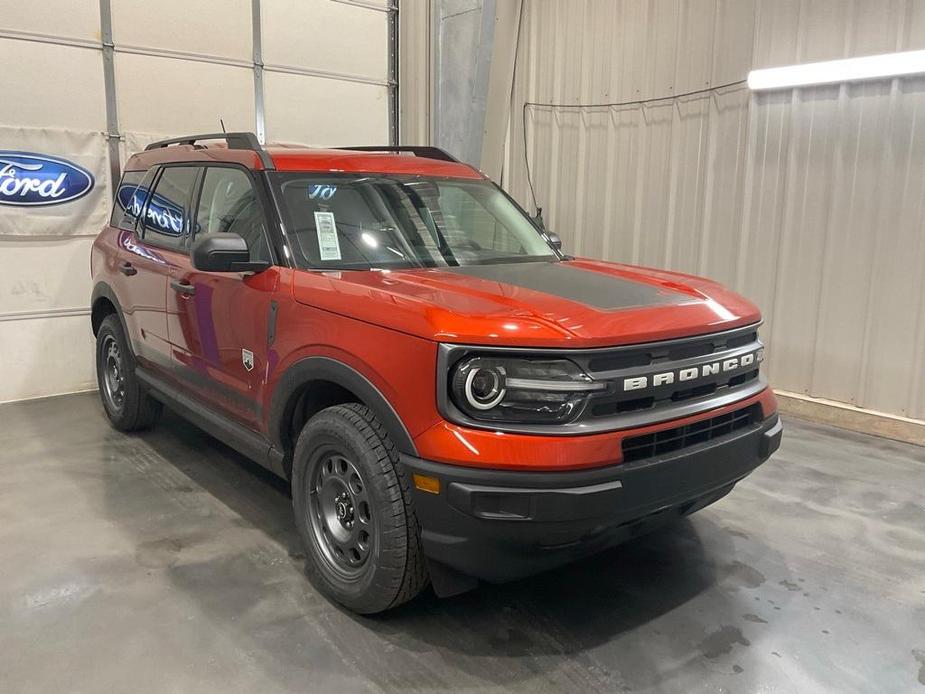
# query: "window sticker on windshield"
{"type": "Point", "coordinates": [328, 245]}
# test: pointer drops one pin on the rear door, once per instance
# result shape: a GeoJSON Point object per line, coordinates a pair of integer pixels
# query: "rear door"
{"type": "Point", "coordinates": [141, 280]}
{"type": "Point", "coordinates": [164, 233]}
{"type": "Point", "coordinates": [218, 323]}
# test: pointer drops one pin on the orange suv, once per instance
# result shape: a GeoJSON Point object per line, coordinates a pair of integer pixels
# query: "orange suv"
{"type": "Point", "coordinates": [452, 398]}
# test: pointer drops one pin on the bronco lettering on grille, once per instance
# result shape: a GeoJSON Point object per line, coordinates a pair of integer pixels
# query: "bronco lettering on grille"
{"type": "Point", "coordinates": [693, 373]}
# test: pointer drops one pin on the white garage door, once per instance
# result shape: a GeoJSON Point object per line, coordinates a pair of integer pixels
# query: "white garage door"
{"type": "Point", "coordinates": [86, 83]}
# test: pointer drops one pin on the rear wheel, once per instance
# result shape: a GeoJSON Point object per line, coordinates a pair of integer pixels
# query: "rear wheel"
{"type": "Point", "coordinates": [352, 509]}
{"type": "Point", "coordinates": [127, 405]}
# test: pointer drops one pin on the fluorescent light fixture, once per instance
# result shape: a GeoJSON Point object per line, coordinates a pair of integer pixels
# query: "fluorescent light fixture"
{"type": "Point", "coordinates": [869, 67]}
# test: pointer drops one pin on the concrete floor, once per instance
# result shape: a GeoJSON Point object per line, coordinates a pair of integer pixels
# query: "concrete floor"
{"type": "Point", "coordinates": [166, 562]}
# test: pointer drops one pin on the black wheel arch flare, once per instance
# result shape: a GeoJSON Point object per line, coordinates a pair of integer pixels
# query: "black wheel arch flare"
{"type": "Point", "coordinates": [103, 292]}
{"type": "Point", "coordinates": [312, 369]}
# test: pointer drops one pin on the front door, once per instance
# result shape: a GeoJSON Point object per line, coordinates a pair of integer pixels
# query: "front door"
{"type": "Point", "coordinates": [218, 323]}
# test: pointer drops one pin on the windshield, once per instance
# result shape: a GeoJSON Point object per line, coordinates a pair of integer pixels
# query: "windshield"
{"type": "Point", "coordinates": [359, 222]}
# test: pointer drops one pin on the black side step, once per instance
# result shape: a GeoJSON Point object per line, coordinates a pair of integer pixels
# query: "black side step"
{"type": "Point", "coordinates": [244, 440]}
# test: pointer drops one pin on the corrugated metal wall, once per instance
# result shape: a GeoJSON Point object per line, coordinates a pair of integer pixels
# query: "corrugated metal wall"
{"type": "Point", "coordinates": [811, 202]}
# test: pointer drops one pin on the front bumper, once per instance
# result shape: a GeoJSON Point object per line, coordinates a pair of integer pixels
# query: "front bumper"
{"type": "Point", "coordinates": [500, 525]}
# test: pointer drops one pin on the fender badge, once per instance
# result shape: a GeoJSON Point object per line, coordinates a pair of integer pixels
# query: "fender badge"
{"type": "Point", "coordinates": [247, 358]}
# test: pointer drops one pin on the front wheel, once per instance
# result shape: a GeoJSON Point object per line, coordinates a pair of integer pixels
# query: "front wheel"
{"type": "Point", "coordinates": [352, 509]}
{"type": "Point", "coordinates": [127, 405]}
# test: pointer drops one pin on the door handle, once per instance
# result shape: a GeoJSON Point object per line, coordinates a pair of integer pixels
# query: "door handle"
{"type": "Point", "coordinates": [183, 287]}
{"type": "Point", "coordinates": [128, 269]}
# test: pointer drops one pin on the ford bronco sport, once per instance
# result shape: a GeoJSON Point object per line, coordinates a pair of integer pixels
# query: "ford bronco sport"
{"type": "Point", "coordinates": [452, 398]}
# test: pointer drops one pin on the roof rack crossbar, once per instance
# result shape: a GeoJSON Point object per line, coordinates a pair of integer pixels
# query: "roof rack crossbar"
{"type": "Point", "coordinates": [241, 140]}
{"type": "Point", "coordinates": [418, 151]}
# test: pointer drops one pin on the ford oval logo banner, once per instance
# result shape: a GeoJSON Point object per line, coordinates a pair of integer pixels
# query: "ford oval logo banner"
{"type": "Point", "coordinates": [34, 180]}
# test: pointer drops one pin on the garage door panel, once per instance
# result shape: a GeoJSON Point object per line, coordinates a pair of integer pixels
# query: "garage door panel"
{"type": "Point", "coordinates": [209, 27]}
{"type": "Point", "coordinates": [73, 19]}
{"type": "Point", "coordinates": [333, 37]}
{"type": "Point", "coordinates": [171, 96]}
{"type": "Point", "coordinates": [46, 355]}
{"type": "Point", "coordinates": [57, 104]}
{"type": "Point", "coordinates": [180, 67]}
{"type": "Point", "coordinates": [319, 111]}
{"type": "Point", "coordinates": [38, 275]}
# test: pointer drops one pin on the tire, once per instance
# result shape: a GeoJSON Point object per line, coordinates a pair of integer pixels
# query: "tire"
{"type": "Point", "coordinates": [127, 405]}
{"type": "Point", "coordinates": [352, 509]}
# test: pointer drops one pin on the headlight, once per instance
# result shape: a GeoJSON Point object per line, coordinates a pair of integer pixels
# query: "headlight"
{"type": "Point", "coordinates": [499, 389]}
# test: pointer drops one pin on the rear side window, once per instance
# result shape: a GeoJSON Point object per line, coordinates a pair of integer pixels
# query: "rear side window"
{"type": "Point", "coordinates": [166, 215]}
{"type": "Point", "coordinates": [130, 199]}
{"type": "Point", "coordinates": [229, 203]}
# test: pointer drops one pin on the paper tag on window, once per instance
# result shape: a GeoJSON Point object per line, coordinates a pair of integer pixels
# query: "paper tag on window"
{"type": "Point", "coordinates": [328, 245]}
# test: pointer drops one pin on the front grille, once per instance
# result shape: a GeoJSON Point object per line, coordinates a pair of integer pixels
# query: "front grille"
{"type": "Point", "coordinates": [605, 406]}
{"type": "Point", "coordinates": [679, 438]}
{"type": "Point", "coordinates": [654, 353]}
{"type": "Point", "coordinates": [622, 362]}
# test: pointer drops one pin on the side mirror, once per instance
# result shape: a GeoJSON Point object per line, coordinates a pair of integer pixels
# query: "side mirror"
{"type": "Point", "coordinates": [223, 252]}
{"type": "Point", "coordinates": [554, 240]}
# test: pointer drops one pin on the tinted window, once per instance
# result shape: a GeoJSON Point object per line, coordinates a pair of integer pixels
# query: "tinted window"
{"type": "Point", "coordinates": [228, 203]}
{"type": "Point", "coordinates": [166, 214]}
{"type": "Point", "coordinates": [130, 199]}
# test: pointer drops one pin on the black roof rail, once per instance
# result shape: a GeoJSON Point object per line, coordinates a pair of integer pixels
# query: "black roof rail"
{"type": "Point", "coordinates": [418, 151]}
{"type": "Point", "coordinates": [246, 141]}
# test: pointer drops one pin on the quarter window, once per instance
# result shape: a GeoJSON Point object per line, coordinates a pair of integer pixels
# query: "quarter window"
{"type": "Point", "coordinates": [228, 203]}
{"type": "Point", "coordinates": [130, 199]}
{"type": "Point", "coordinates": [166, 214]}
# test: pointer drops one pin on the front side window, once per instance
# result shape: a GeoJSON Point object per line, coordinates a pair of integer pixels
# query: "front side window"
{"type": "Point", "coordinates": [165, 222]}
{"type": "Point", "coordinates": [377, 220]}
{"type": "Point", "coordinates": [229, 203]}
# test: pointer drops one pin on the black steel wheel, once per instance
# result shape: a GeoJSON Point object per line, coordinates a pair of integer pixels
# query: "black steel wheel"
{"type": "Point", "coordinates": [353, 511]}
{"type": "Point", "coordinates": [113, 374]}
{"type": "Point", "coordinates": [127, 405]}
{"type": "Point", "coordinates": [340, 514]}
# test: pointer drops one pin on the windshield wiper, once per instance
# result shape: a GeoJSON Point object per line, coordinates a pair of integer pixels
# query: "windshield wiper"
{"type": "Point", "coordinates": [425, 214]}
